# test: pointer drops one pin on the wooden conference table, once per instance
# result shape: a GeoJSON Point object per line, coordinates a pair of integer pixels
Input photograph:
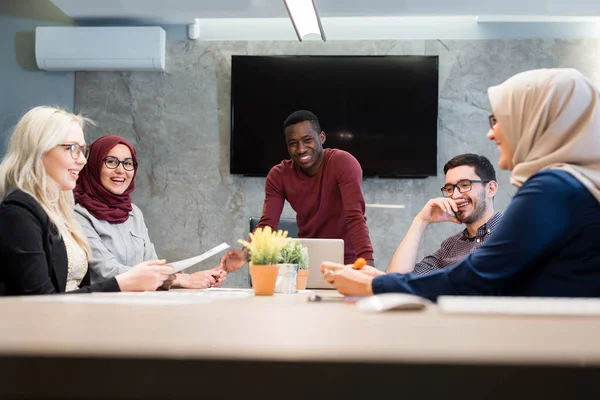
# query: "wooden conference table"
{"type": "Point", "coordinates": [231, 344]}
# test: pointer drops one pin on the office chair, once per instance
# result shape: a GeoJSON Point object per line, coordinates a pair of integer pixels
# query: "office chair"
{"type": "Point", "coordinates": [285, 224]}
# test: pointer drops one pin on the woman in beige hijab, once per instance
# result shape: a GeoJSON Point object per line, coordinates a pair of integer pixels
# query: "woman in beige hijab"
{"type": "Point", "coordinates": [546, 124]}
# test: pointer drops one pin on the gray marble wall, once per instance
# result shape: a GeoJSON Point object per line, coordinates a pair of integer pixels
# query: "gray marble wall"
{"type": "Point", "coordinates": [179, 123]}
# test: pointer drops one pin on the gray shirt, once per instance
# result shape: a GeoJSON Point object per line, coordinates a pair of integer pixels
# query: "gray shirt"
{"type": "Point", "coordinates": [115, 247]}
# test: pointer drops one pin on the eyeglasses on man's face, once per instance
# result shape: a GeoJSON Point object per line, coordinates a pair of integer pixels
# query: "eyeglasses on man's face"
{"type": "Point", "coordinates": [113, 163]}
{"type": "Point", "coordinates": [463, 186]}
{"type": "Point", "coordinates": [77, 149]}
{"type": "Point", "coordinates": [493, 120]}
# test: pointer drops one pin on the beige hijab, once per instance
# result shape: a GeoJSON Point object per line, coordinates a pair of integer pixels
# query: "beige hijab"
{"type": "Point", "coordinates": [551, 119]}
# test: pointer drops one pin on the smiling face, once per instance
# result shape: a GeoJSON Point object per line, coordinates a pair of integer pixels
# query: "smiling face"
{"type": "Point", "coordinates": [305, 146]}
{"type": "Point", "coordinates": [117, 180]}
{"type": "Point", "coordinates": [59, 163]}
{"type": "Point", "coordinates": [506, 154]}
{"type": "Point", "coordinates": [472, 205]}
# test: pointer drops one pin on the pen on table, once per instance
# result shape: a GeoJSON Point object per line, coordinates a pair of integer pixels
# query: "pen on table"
{"type": "Point", "coordinates": [313, 297]}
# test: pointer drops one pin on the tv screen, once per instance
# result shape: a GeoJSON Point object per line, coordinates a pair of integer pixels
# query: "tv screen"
{"type": "Point", "coordinates": [381, 109]}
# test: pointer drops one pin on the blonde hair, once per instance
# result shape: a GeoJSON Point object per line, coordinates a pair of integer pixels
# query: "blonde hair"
{"type": "Point", "coordinates": [40, 130]}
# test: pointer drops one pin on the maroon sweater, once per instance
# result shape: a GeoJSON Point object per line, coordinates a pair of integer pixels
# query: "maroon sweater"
{"type": "Point", "coordinates": [328, 205]}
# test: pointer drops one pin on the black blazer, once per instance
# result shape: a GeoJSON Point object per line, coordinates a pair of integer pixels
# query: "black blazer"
{"type": "Point", "coordinates": [33, 256]}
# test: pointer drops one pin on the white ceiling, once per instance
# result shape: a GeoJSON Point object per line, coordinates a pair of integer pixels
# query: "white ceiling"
{"type": "Point", "coordinates": [184, 11]}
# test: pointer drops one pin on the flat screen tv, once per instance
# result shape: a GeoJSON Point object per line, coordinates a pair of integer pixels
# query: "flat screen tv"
{"type": "Point", "coordinates": [381, 109]}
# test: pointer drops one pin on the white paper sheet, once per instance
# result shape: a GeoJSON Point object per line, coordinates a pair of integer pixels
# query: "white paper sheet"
{"type": "Point", "coordinates": [150, 298]}
{"type": "Point", "coordinates": [183, 264]}
{"type": "Point", "coordinates": [87, 298]}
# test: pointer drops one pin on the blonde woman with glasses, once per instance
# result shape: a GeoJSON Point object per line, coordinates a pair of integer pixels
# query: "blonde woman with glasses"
{"type": "Point", "coordinates": [42, 247]}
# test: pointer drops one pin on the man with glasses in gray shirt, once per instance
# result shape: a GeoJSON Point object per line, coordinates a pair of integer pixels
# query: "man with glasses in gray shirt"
{"type": "Point", "coordinates": [467, 198]}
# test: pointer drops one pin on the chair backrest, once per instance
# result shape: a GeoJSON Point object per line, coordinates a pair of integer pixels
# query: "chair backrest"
{"type": "Point", "coordinates": [286, 224]}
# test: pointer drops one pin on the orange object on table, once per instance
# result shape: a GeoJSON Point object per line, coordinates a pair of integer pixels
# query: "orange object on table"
{"type": "Point", "coordinates": [359, 263]}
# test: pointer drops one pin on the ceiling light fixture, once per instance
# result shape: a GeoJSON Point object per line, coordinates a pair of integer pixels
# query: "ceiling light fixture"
{"type": "Point", "coordinates": [305, 18]}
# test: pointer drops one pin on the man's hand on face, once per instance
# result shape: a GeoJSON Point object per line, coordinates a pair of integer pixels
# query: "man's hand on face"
{"type": "Point", "coordinates": [440, 209]}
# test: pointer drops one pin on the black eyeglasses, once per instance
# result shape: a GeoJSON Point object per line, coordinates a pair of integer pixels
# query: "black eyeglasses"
{"type": "Point", "coordinates": [463, 186]}
{"type": "Point", "coordinates": [493, 120]}
{"type": "Point", "coordinates": [77, 149]}
{"type": "Point", "coordinates": [113, 163]}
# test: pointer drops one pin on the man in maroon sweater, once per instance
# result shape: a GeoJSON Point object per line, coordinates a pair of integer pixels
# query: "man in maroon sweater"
{"type": "Point", "coordinates": [323, 186]}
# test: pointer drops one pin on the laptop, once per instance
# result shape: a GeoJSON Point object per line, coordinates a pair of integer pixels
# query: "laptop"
{"type": "Point", "coordinates": [320, 250]}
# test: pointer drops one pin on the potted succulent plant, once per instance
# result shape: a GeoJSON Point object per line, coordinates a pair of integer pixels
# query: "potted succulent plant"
{"type": "Point", "coordinates": [265, 248]}
{"type": "Point", "coordinates": [297, 255]}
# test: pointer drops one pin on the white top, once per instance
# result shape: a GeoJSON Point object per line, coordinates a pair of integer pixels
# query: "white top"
{"type": "Point", "coordinates": [78, 263]}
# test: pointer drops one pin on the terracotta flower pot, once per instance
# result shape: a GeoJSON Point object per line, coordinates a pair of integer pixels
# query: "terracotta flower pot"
{"type": "Point", "coordinates": [263, 279]}
{"type": "Point", "coordinates": [302, 279]}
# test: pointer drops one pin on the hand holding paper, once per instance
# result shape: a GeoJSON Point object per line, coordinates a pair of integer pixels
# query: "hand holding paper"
{"type": "Point", "coordinates": [179, 266]}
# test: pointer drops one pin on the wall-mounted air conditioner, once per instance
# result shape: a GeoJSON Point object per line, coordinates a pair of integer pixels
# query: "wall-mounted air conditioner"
{"type": "Point", "coordinates": [75, 48]}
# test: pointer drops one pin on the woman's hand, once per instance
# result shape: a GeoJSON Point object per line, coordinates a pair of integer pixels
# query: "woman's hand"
{"type": "Point", "coordinates": [219, 274]}
{"type": "Point", "coordinates": [146, 276]}
{"type": "Point", "coordinates": [346, 280]}
{"type": "Point", "coordinates": [371, 271]}
{"type": "Point", "coordinates": [197, 280]}
{"type": "Point", "coordinates": [168, 283]}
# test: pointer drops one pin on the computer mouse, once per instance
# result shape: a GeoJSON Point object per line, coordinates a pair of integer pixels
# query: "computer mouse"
{"type": "Point", "coordinates": [392, 301]}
